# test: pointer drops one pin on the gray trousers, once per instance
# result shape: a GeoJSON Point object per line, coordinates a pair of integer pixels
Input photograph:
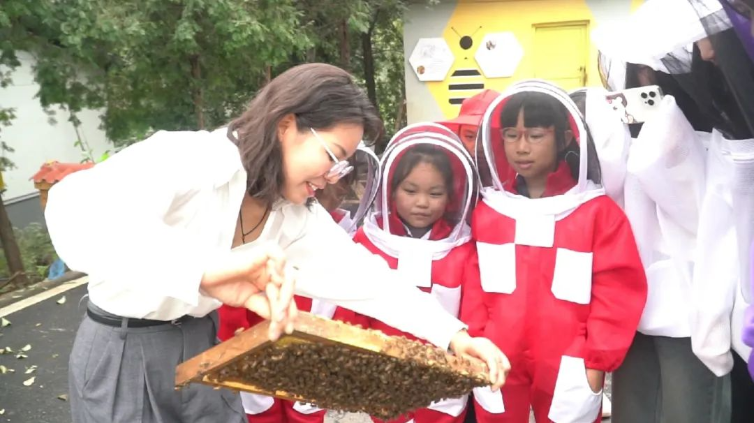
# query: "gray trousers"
{"type": "Point", "coordinates": [128, 375]}
{"type": "Point", "coordinates": [662, 381]}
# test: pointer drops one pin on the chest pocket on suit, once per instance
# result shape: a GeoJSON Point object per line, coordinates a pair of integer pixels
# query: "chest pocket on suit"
{"type": "Point", "coordinates": [497, 267]}
{"type": "Point", "coordinates": [572, 279]}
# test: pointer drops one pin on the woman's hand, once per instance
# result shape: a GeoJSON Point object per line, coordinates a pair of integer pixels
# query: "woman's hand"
{"type": "Point", "coordinates": [255, 279]}
{"type": "Point", "coordinates": [596, 379]}
{"type": "Point", "coordinates": [482, 348]}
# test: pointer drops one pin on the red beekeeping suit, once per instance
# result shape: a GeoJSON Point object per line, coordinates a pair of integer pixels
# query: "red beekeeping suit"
{"type": "Point", "coordinates": [557, 283]}
{"type": "Point", "coordinates": [435, 262]}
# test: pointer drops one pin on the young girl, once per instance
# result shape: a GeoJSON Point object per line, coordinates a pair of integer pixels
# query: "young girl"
{"type": "Point", "coordinates": [466, 126]}
{"type": "Point", "coordinates": [419, 227]}
{"type": "Point", "coordinates": [559, 285]}
{"type": "Point", "coordinates": [264, 409]}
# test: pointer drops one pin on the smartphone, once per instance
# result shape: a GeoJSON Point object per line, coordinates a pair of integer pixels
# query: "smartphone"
{"type": "Point", "coordinates": [635, 105]}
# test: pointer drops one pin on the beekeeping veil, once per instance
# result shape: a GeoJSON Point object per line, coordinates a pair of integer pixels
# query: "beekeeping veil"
{"type": "Point", "coordinates": [385, 228]}
{"type": "Point", "coordinates": [357, 189]}
{"type": "Point", "coordinates": [703, 47]}
{"type": "Point", "coordinates": [503, 176]}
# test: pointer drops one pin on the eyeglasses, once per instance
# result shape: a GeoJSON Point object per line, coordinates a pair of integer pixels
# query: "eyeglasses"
{"type": "Point", "coordinates": [340, 168]}
{"type": "Point", "coordinates": [532, 135]}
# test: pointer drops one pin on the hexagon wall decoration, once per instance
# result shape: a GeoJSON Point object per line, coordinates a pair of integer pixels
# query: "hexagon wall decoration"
{"type": "Point", "coordinates": [499, 54]}
{"type": "Point", "coordinates": [431, 59]}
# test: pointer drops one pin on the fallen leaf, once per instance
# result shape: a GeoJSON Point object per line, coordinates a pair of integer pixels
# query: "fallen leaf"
{"type": "Point", "coordinates": [30, 381]}
{"type": "Point", "coordinates": [21, 356]}
{"type": "Point", "coordinates": [26, 348]}
{"type": "Point", "coordinates": [7, 350]}
{"type": "Point", "coordinates": [63, 397]}
{"type": "Point", "coordinates": [3, 369]}
{"type": "Point", "coordinates": [4, 322]}
{"type": "Point", "coordinates": [38, 325]}
{"type": "Point", "coordinates": [2, 412]}
{"type": "Point", "coordinates": [55, 355]}
{"type": "Point", "coordinates": [30, 370]}
{"type": "Point", "coordinates": [61, 300]}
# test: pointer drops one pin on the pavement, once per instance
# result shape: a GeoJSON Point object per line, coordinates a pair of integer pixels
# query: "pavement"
{"type": "Point", "coordinates": [49, 329]}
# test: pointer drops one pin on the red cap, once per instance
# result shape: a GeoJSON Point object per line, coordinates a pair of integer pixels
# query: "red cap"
{"type": "Point", "coordinates": [472, 110]}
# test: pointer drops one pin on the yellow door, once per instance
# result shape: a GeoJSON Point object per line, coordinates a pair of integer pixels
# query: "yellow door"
{"type": "Point", "coordinates": [560, 54]}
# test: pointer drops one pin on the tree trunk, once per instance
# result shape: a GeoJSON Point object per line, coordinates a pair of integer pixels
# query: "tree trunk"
{"type": "Point", "coordinates": [198, 95]}
{"type": "Point", "coordinates": [268, 74]}
{"type": "Point", "coordinates": [10, 248]}
{"type": "Point", "coordinates": [366, 46]}
{"type": "Point", "coordinates": [311, 55]}
{"type": "Point", "coordinates": [345, 46]}
{"type": "Point", "coordinates": [400, 115]}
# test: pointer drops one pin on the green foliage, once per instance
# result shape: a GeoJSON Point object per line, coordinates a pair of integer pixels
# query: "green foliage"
{"type": "Point", "coordinates": [6, 117]}
{"type": "Point", "coordinates": [36, 251]}
{"type": "Point", "coordinates": [185, 64]}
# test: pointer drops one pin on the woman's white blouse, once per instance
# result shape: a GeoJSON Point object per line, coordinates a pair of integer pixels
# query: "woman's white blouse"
{"type": "Point", "coordinates": [145, 223]}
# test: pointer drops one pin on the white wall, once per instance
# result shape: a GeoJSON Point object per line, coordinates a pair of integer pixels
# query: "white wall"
{"type": "Point", "coordinates": [35, 140]}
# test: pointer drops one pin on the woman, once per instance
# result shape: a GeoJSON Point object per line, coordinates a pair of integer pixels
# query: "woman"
{"type": "Point", "coordinates": [170, 228]}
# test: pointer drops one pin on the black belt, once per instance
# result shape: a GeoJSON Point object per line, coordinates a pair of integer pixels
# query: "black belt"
{"type": "Point", "coordinates": [117, 321]}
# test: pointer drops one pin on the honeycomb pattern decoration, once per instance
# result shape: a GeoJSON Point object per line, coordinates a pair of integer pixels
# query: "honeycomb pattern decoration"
{"type": "Point", "coordinates": [431, 59]}
{"type": "Point", "coordinates": [499, 55]}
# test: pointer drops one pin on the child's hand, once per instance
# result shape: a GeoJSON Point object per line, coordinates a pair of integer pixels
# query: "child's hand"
{"type": "Point", "coordinates": [482, 348]}
{"type": "Point", "coordinates": [596, 379]}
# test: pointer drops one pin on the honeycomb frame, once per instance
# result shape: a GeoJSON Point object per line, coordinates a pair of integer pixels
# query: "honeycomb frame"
{"type": "Point", "coordinates": [337, 366]}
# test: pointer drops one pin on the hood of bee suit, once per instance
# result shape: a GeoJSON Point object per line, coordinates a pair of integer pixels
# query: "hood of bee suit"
{"type": "Point", "coordinates": [611, 138]}
{"type": "Point", "coordinates": [503, 176]}
{"type": "Point", "coordinates": [703, 47]}
{"type": "Point", "coordinates": [650, 34]}
{"type": "Point", "coordinates": [364, 185]}
{"type": "Point", "coordinates": [385, 228]}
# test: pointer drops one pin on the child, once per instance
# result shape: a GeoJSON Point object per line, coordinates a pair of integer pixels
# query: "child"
{"type": "Point", "coordinates": [466, 124]}
{"type": "Point", "coordinates": [559, 285]}
{"type": "Point", "coordinates": [466, 127]}
{"type": "Point", "coordinates": [264, 409]}
{"type": "Point", "coordinates": [419, 227]}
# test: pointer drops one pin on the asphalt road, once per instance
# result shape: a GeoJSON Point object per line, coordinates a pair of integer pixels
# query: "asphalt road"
{"type": "Point", "coordinates": [49, 328]}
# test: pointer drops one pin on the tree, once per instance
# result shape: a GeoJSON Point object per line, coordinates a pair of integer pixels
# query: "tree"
{"type": "Point", "coordinates": [7, 237]}
{"type": "Point", "coordinates": [158, 64]}
{"type": "Point", "coordinates": [193, 64]}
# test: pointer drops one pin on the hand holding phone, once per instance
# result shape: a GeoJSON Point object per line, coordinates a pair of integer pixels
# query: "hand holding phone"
{"type": "Point", "coordinates": [635, 105]}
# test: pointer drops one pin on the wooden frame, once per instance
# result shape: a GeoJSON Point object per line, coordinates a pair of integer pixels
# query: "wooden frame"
{"type": "Point", "coordinates": [312, 332]}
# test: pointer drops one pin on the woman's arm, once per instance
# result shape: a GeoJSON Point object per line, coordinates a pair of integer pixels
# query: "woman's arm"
{"type": "Point", "coordinates": [334, 268]}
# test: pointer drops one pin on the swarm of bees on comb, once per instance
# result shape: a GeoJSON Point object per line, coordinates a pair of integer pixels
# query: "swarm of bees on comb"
{"type": "Point", "coordinates": [336, 366]}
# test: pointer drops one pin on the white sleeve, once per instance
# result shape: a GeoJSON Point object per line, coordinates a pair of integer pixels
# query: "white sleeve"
{"type": "Point", "coordinates": [110, 221]}
{"type": "Point", "coordinates": [611, 141]}
{"type": "Point", "coordinates": [713, 290]}
{"type": "Point", "coordinates": [668, 160]}
{"type": "Point", "coordinates": [334, 268]}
